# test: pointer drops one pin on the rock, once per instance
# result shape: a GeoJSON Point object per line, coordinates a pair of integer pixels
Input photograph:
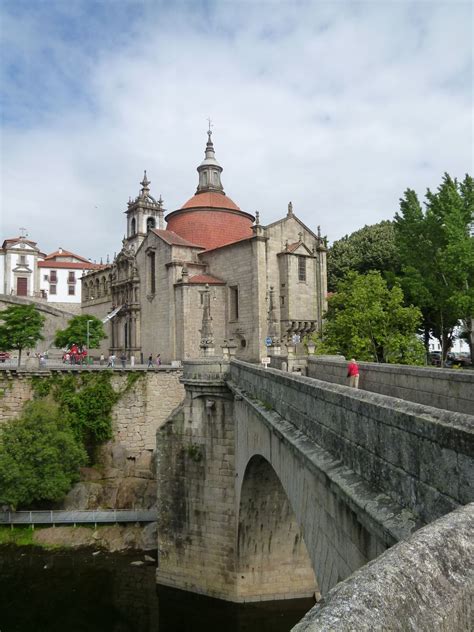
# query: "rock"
{"type": "Point", "coordinates": [148, 558]}
{"type": "Point", "coordinates": [138, 563]}
{"type": "Point", "coordinates": [119, 456]}
{"type": "Point", "coordinates": [131, 493]}
{"type": "Point", "coordinates": [96, 553]}
{"type": "Point", "coordinates": [145, 460]}
{"type": "Point", "coordinates": [90, 474]}
{"type": "Point", "coordinates": [149, 537]}
{"type": "Point", "coordinates": [83, 495]}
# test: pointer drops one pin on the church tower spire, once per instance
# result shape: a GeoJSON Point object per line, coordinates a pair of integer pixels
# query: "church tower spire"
{"type": "Point", "coordinates": [210, 170]}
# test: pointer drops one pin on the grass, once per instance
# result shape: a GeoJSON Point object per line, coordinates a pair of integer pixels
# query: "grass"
{"type": "Point", "coordinates": [18, 536]}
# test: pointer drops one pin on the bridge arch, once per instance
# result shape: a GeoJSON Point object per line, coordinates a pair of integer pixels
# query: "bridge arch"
{"type": "Point", "coordinates": [337, 540]}
{"type": "Point", "coordinates": [272, 558]}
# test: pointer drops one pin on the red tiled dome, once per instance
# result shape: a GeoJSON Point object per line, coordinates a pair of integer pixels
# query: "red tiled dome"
{"type": "Point", "coordinates": [210, 219]}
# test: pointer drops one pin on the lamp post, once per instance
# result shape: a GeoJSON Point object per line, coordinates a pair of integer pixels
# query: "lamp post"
{"type": "Point", "coordinates": [88, 335]}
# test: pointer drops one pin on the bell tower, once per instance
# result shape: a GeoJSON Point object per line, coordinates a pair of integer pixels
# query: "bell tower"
{"type": "Point", "coordinates": [143, 213]}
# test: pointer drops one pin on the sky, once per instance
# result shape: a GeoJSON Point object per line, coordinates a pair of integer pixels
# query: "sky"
{"type": "Point", "coordinates": [337, 106]}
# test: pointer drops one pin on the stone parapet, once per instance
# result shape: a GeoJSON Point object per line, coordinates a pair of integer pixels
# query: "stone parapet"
{"type": "Point", "coordinates": [450, 389]}
{"type": "Point", "coordinates": [422, 584]}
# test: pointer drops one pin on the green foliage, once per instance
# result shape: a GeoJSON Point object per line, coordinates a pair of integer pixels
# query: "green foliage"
{"type": "Point", "coordinates": [370, 248]}
{"type": "Point", "coordinates": [437, 256]}
{"type": "Point", "coordinates": [18, 536]}
{"type": "Point", "coordinates": [39, 455]}
{"type": "Point", "coordinates": [194, 452]}
{"type": "Point", "coordinates": [76, 332]}
{"type": "Point", "coordinates": [21, 328]}
{"type": "Point", "coordinates": [368, 321]}
{"type": "Point", "coordinates": [87, 399]}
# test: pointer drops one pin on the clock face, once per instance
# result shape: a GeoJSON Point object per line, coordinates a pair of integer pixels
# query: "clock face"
{"type": "Point", "coordinates": [22, 246]}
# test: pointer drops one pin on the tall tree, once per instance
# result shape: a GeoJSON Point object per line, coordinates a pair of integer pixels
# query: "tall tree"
{"type": "Point", "coordinates": [370, 248]}
{"type": "Point", "coordinates": [81, 330]}
{"type": "Point", "coordinates": [21, 328]}
{"type": "Point", "coordinates": [437, 255]}
{"type": "Point", "coordinates": [367, 319]}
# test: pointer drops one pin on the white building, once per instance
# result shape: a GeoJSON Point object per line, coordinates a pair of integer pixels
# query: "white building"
{"type": "Point", "coordinates": [60, 274]}
{"type": "Point", "coordinates": [19, 259]}
{"type": "Point", "coordinates": [27, 272]}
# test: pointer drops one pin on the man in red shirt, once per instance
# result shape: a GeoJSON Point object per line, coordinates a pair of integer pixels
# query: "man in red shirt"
{"type": "Point", "coordinates": [353, 373]}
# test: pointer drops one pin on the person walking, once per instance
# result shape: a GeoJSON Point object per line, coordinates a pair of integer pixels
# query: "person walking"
{"type": "Point", "coordinates": [123, 359]}
{"type": "Point", "coordinates": [102, 359]}
{"type": "Point", "coordinates": [158, 360]}
{"type": "Point", "coordinates": [111, 360]}
{"type": "Point", "coordinates": [353, 373]}
{"type": "Point", "coordinates": [150, 361]}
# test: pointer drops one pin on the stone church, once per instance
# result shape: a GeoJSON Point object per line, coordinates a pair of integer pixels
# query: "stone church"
{"type": "Point", "coordinates": [252, 282]}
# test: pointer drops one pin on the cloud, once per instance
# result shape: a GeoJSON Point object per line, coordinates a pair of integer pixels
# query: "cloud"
{"type": "Point", "coordinates": [338, 107]}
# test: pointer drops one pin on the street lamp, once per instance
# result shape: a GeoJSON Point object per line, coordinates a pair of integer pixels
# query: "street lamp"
{"type": "Point", "coordinates": [88, 335]}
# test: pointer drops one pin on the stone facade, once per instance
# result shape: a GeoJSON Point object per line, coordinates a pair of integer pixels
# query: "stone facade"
{"type": "Point", "coordinates": [156, 281]}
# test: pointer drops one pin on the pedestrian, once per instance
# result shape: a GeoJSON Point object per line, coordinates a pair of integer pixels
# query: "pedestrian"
{"type": "Point", "coordinates": [353, 373]}
{"type": "Point", "coordinates": [123, 359]}
{"type": "Point", "coordinates": [150, 361]}
{"type": "Point", "coordinates": [111, 360]}
{"type": "Point", "coordinates": [158, 360]}
{"type": "Point", "coordinates": [102, 359]}
{"type": "Point", "coordinates": [132, 361]}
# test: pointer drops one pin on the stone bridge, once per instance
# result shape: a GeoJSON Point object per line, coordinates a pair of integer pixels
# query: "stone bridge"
{"type": "Point", "coordinates": [274, 486]}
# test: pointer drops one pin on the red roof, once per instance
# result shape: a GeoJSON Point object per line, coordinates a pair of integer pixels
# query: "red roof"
{"type": "Point", "coordinates": [205, 278]}
{"type": "Point", "coordinates": [71, 265]}
{"type": "Point", "coordinates": [65, 253]}
{"type": "Point", "coordinates": [211, 199]}
{"type": "Point", "coordinates": [173, 239]}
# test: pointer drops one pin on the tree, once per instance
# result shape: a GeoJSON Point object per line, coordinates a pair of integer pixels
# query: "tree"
{"type": "Point", "coordinates": [21, 328]}
{"type": "Point", "coordinates": [370, 248]}
{"type": "Point", "coordinates": [39, 456]}
{"type": "Point", "coordinates": [76, 332]}
{"type": "Point", "coordinates": [367, 320]}
{"type": "Point", "coordinates": [437, 256]}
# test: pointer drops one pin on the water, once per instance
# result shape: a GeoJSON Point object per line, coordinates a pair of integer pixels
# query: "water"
{"type": "Point", "coordinates": [78, 592]}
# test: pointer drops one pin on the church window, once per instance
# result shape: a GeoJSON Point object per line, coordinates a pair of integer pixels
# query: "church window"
{"type": "Point", "coordinates": [282, 301]}
{"type": "Point", "coordinates": [23, 259]}
{"type": "Point", "coordinates": [301, 268]}
{"type": "Point", "coordinates": [234, 303]}
{"type": "Point", "coordinates": [150, 223]}
{"type": "Point", "coordinates": [152, 272]}
{"type": "Point", "coordinates": [133, 227]}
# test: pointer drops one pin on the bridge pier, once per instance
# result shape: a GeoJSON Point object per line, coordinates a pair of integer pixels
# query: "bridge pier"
{"type": "Point", "coordinates": [213, 537]}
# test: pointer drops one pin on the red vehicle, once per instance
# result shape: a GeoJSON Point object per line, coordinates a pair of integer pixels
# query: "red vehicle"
{"type": "Point", "coordinates": [4, 355]}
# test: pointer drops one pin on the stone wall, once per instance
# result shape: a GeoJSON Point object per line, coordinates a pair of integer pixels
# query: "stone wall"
{"type": "Point", "coordinates": [420, 457]}
{"type": "Point", "coordinates": [451, 389]}
{"type": "Point", "coordinates": [422, 584]}
{"type": "Point", "coordinates": [55, 318]}
{"type": "Point", "coordinates": [125, 475]}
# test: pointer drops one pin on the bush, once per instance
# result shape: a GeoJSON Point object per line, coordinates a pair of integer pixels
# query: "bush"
{"type": "Point", "coordinates": [39, 455]}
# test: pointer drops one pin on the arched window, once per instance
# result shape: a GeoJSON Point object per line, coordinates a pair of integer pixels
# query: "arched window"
{"type": "Point", "coordinates": [150, 223]}
{"type": "Point", "coordinates": [133, 227]}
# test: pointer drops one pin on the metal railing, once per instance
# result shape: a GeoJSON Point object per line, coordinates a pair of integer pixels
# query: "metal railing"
{"type": "Point", "coordinates": [77, 517]}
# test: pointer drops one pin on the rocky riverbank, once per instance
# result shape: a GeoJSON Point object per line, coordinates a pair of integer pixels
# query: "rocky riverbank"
{"type": "Point", "coordinates": [107, 538]}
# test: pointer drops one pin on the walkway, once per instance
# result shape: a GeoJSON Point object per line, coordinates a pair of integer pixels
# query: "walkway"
{"type": "Point", "coordinates": [77, 517]}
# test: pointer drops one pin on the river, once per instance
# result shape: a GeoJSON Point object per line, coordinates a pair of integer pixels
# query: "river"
{"type": "Point", "coordinates": [75, 591]}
